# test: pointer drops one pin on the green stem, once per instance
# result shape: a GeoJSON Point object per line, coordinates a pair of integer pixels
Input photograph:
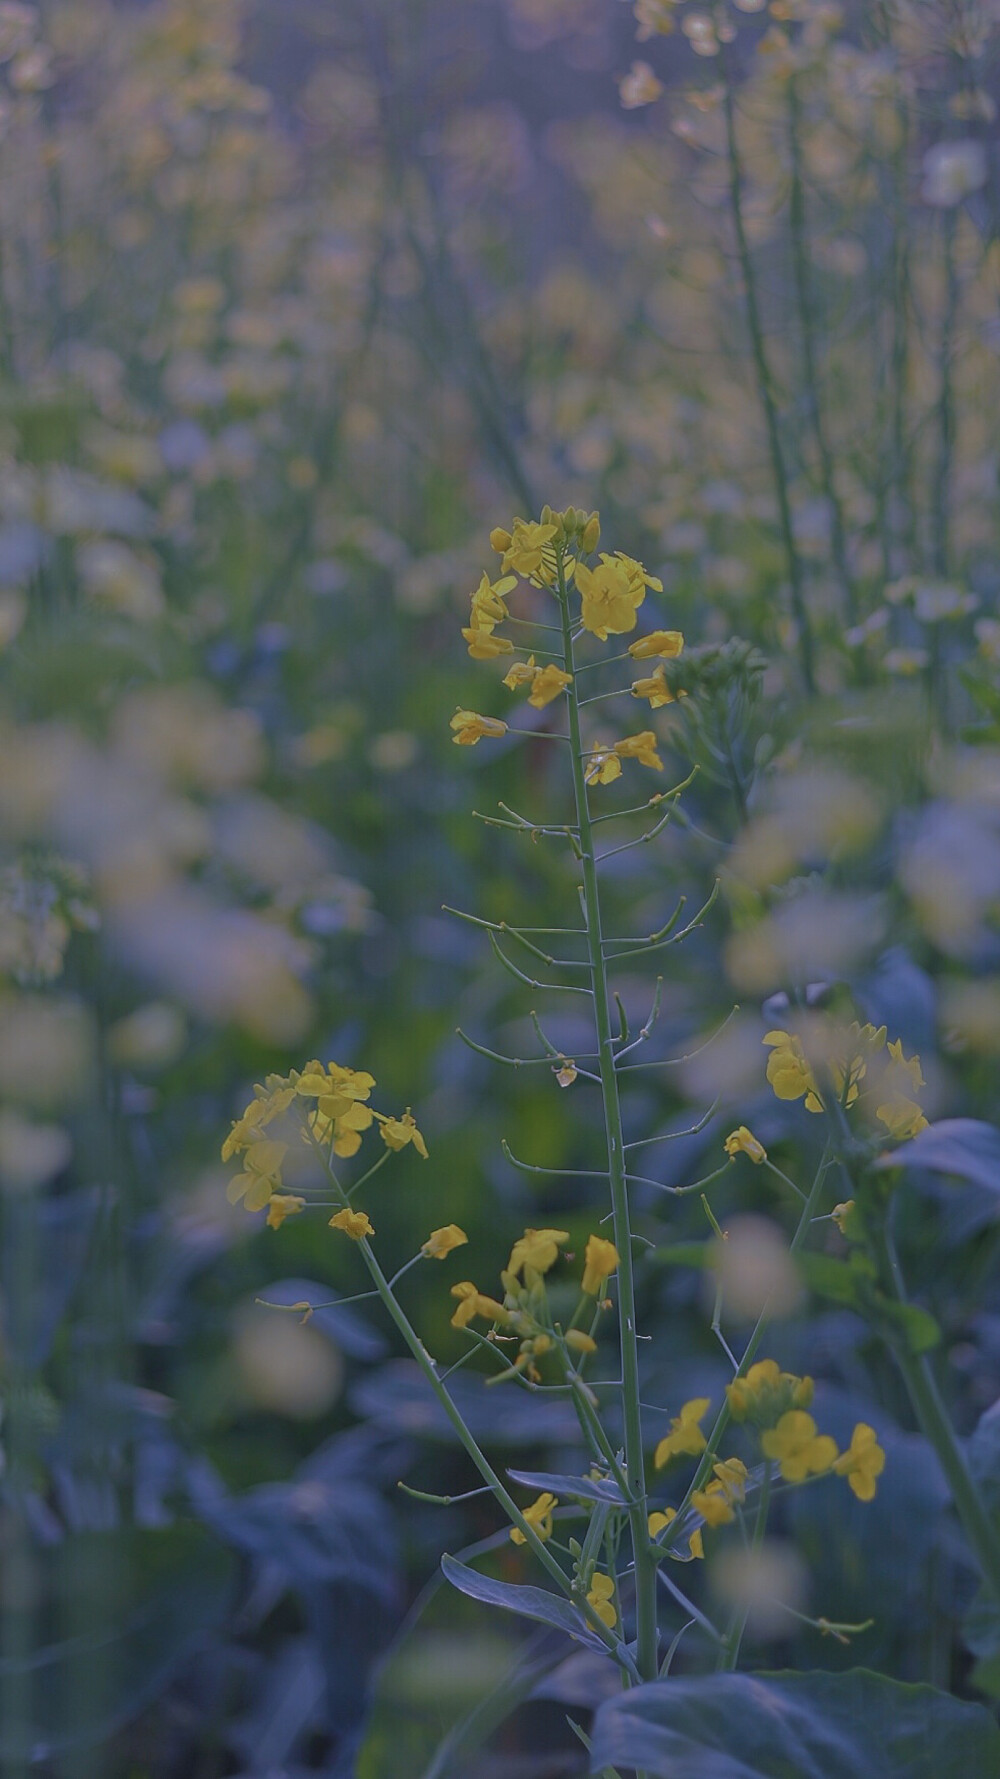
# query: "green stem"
{"type": "Point", "coordinates": [467, 1439]}
{"type": "Point", "coordinates": [765, 385]}
{"type": "Point", "coordinates": [647, 1653]}
{"type": "Point", "coordinates": [935, 1424]}
{"type": "Point", "coordinates": [730, 1655]}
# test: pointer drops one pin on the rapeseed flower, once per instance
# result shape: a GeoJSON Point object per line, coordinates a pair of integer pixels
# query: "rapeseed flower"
{"type": "Point", "coordinates": [600, 1260]}
{"type": "Point", "coordinates": [797, 1447]}
{"type": "Point", "coordinates": [863, 1461]}
{"type": "Point", "coordinates": [686, 1438]}
{"type": "Point", "coordinates": [526, 550]}
{"type": "Point", "coordinates": [539, 1518]}
{"type": "Point", "coordinates": [743, 1142]}
{"type": "Point", "coordinates": [536, 1250]}
{"type": "Point", "coordinates": [603, 766]}
{"type": "Point", "coordinates": [261, 1176]}
{"type": "Point", "coordinates": [356, 1224]}
{"type": "Point", "coordinates": [602, 1592]}
{"type": "Point", "coordinates": [472, 1302]}
{"type": "Point", "coordinates": [666, 643]}
{"type": "Point", "coordinates": [470, 727]}
{"type": "Point", "coordinates": [282, 1205]}
{"type": "Point", "coordinates": [610, 597]}
{"type": "Point", "coordinates": [641, 747]}
{"type": "Point", "coordinates": [397, 1132]}
{"type": "Point", "coordinates": [659, 1521]}
{"type": "Point", "coordinates": [484, 646]}
{"type": "Point", "coordinates": [442, 1242]}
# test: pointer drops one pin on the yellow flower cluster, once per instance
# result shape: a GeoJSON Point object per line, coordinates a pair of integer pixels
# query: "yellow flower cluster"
{"type": "Point", "coordinates": [546, 682]}
{"type": "Point", "coordinates": [685, 1438]}
{"type": "Point", "coordinates": [852, 1053]}
{"type": "Point", "coordinates": [777, 1402]}
{"type": "Point", "coordinates": [766, 1392]}
{"type": "Point", "coordinates": [718, 1500]}
{"type": "Point", "coordinates": [338, 1118]}
{"type": "Point", "coordinates": [532, 1256]}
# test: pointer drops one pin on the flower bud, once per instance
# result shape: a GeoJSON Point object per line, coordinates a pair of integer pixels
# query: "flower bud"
{"type": "Point", "coordinates": [591, 535]}
{"type": "Point", "coordinates": [500, 540]}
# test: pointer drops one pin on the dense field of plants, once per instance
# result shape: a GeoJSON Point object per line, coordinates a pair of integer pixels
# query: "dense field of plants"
{"type": "Point", "coordinates": [499, 889]}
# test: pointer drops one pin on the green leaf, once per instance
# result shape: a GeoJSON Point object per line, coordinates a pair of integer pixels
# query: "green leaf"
{"type": "Point", "coordinates": [137, 1607]}
{"type": "Point", "coordinates": [579, 1488]}
{"type": "Point", "coordinates": [856, 1725]}
{"type": "Point", "coordinates": [839, 1281]}
{"type": "Point", "coordinates": [548, 1609]}
{"type": "Point", "coordinates": [918, 1325]}
{"type": "Point", "coordinates": [981, 1633]}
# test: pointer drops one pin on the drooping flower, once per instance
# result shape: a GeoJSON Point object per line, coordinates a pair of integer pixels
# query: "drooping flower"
{"type": "Point", "coordinates": [520, 673]}
{"type": "Point", "coordinates": [537, 1249]}
{"type": "Point", "coordinates": [655, 688]}
{"type": "Point", "coordinates": [489, 603]}
{"type": "Point", "coordinates": [667, 643]}
{"type": "Point", "coordinates": [282, 1205]}
{"type": "Point", "coordinates": [716, 1502]}
{"type": "Point", "coordinates": [600, 1260]}
{"type": "Point", "coordinates": [539, 1518]}
{"type": "Point", "coordinates": [602, 1592]}
{"type": "Point", "coordinates": [641, 747]}
{"type": "Point", "coordinates": [863, 1461]}
{"type": "Point", "coordinates": [686, 1438]}
{"type": "Point", "coordinates": [484, 646]}
{"type": "Point", "coordinates": [397, 1132]}
{"type": "Point", "coordinates": [797, 1447]}
{"type": "Point", "coordinates": [788, 1071]}
{"type": "Point", "coordinates": [442, 1242]}
{"type": "Point", "coordinates": [743, 1142]}
{"type": "Point", "coordinates": [472, 1302]}
{"type": "Point", "coordinates": [356, 1224]}
{"type": "Point", "coordinates": [470, 727]}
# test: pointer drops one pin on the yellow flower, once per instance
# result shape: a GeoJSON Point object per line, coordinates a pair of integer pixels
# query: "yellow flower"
{"type": "Point", "coordinates": [641, 747]}
{"type": "Point", "coordinates": [788, 1071]}
{"type": "Point", "coordinates": [337, 1089]}
{"type": "Point", "coordinates": [902, 1118]}
{"type": "Point", "coordinates": [686, 1438]}
{"type": "Point", "coordinates": [711, 1503]}
{"type": "Point", "coordinates": [602, 1592]}
{"type": "Point", "coordinates": [798, 1448]}
{"type": "Point", "coordinates": [397, 1132]}
{"type": "Point", "coordinates": [353, 1223]}
{"type": "Point", "coordinates": [489, 605]}
{"type": "Point", "coordinates": [267, 1104]}
{"type": "Point", "coordinates": [567, 1074]}
{"type": "Point", "coordinates": [909, 1065]}
{"type": "Point", "coordinates": [743, 1142]}
{"type": "Point", "coordinates": [603, 766]}
{"type": "Point", "coordinates": [261, 1174]}
{"type": "Point", "coordinates": [716, 1501]}
{"type": "Point", "coordinates": [610, 597]}
{"type": "Point", "coordinates": [526, 549]}
{"type": "Point", "coordinates": [539, 1518]}
{"type": "Point", "coordinates": [668, 643]}
{"type": "Point", "coordinates": [841, 1215]}
{"type": "Point", "coordinates": [484, 646]}
{"type": "Point", "coordinates": [500, 540]}
{"type": "Point", "coordinates": [521, 673]}
{"type": "Point", "coordinates": [473, 1303]}
{"type": "Point", "coordinates": [658, 1522]}
{"type": "Point", "coordinates": [471, 727]}
{"type": "Point", "coordinates": [599, 1262]}
{"type": "Point", "coordinates": [442, 1242]}
{"type": "Point", "coordinates": [863, 1461]}
{"type": "Point", "coordinates": [656, 690]}
{"type": "Point", "coordinates": [537, 1249]}
{"type": "Point", "coordinates": [282, 1205]}
{"type": "Point", "coordinates": [580, 1342]}
{"type": "Point", "coordinates": [547, 684]}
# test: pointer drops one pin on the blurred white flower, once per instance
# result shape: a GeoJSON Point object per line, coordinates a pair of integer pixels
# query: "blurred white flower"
{"type": "Point", "coordinates": [951, 171]}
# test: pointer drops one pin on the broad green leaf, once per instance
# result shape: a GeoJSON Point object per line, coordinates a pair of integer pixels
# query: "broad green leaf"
{"type": "Point", "coordinates": [856, 1725]}
{"type": "Point", "coordinates": [530, 1602]}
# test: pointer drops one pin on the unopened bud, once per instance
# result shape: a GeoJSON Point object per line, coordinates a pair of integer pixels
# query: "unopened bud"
{"type": "Point", "coordinates": [500, 540]}
{"type": "Point", "coordinates": [591, 536]}
{"type": "Point", "coordinates": [580, 1342]}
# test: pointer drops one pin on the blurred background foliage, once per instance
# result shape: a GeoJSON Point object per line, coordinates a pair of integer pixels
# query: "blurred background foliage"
{"type": "Point", "coordinates": [297, 301]}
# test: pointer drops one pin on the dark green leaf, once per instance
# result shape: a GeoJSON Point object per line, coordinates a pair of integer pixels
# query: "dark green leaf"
{"type": "Point", "coordinates": [856, 1725]}
{"type": "Point", "coordinates": [537, 1603]}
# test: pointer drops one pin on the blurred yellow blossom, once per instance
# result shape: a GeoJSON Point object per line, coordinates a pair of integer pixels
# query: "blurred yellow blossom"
{"type": "Point", "coordinates": [537, 1249]}
{"type": "Point", "coordinates": [472, 1302]}
{"type": "Point", "coordinates": [547, 684]}
{"type": "Point", "coordinates": [641, 747]}
{"type": "Point", "coordinates": [639, 86]}
{"type": "Point", "coordinates": [659, 1521]}
{"type": "Point", "coordinates": [520, 673]}
{"type": "Point", "coordinates": [261, 1174]}
{"type": "Point", "coordinates": [397, 1132]}
{"type": "Point", "coordinates": [602, 1592]}
{"type": "Point", "coordinates": [603, 766]}
{"type": "Point", "coordinates": [667, 643]}
{"type": "Point", "coordinates": [484, 646]}
{"type": "Point", "coordinates": [863, 1462]}
{"type": "Point", "coordinates": [539, 1518]}
{"type": "Point", "coordinates": [442, 1242]}
{"type": "Point", "coordinates": [600, 1260]}
{"type": "Point", "coordinates": [356, 1224]}
{"type": "Point", "coordinates": [471, 727]}
{"type": "Point", "coordinates": [743, 1142]}
{"type": "Point", "coordinates": [797, 1447]}
{"type": "Point", "coordinates": [282, 1205]}
{"type": "Point", "coordinates": [686, 1438]}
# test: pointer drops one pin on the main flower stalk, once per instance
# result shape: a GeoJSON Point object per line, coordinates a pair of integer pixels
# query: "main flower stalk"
{"type": "Point", "coordinates": [647, 1652]}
